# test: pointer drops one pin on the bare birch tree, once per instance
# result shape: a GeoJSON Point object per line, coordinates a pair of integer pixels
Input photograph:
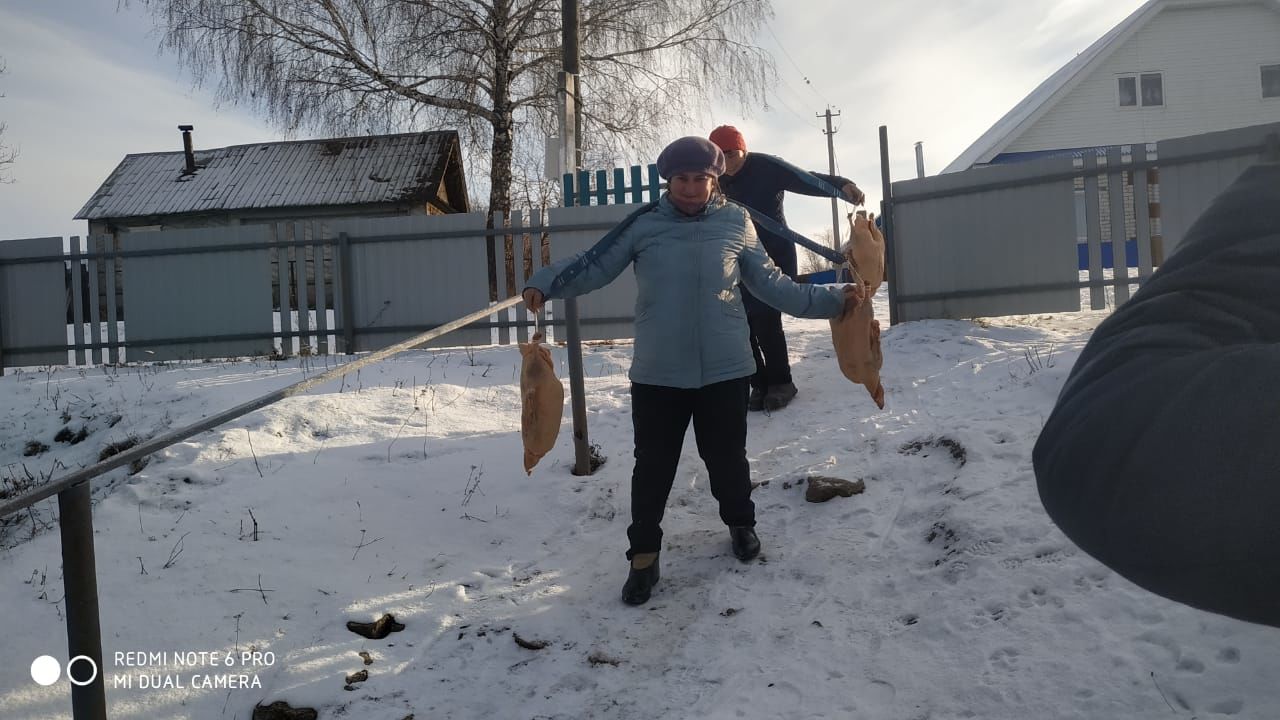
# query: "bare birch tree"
{"type": "Point", "coordinates": [7, 154]}
{"type": "Point", "coordinates": [810, 261]}
{"type": "Point", "coordinates": [485, 67]}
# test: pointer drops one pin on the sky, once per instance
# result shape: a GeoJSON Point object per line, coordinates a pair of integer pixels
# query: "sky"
{"type": "Point", "coordinates": [942, 591]}
{"type": "Point", "coordinates": [87, 84]}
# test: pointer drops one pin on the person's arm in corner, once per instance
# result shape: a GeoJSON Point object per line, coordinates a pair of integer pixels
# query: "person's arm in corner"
{"type": "Point", "coordinates": [771, 286]}
{"type": "Point", "coordinates": [1159, 458]}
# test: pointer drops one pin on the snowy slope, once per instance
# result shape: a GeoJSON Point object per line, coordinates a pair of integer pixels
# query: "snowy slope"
{"type": "Point", "coordinates": [943, 591]}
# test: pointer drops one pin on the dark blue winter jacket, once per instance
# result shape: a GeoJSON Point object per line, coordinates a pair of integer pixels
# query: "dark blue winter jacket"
{"type": "Point", "coordinates": [760, 185]}
{"type": "Point", "coordinates": [691, 329]}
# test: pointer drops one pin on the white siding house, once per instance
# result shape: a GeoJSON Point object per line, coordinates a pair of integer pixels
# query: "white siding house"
{"type": "Point", "coordinates": [1173, 68]}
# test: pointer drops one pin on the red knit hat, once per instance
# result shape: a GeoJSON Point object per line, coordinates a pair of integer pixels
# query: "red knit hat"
{"type": "Point", "coordinates": [728, 138]}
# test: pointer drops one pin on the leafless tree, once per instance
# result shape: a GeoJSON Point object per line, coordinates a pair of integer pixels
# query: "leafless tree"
{"type": "Point", "coordinates": [7, 154]}
{"type": "Point", "coordinates": [811, 262]}
{"type": "Point", "coordinates": [485, 67]}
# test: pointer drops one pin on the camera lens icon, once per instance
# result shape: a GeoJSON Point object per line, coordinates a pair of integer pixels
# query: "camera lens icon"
{"type": "Point", "coordinates": [92, 665]}
{"type": "Point", "coordinates": [46, 670]}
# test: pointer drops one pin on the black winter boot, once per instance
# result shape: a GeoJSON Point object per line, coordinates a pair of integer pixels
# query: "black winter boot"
{"type": "Point", "coordinates": [755, 401]}
{"type": "Point", "coordinates": [746, 544]}
{"type": "Point", "coordinates": [779, 396]}
{"type": "Point", "coordinates": [640, 581]}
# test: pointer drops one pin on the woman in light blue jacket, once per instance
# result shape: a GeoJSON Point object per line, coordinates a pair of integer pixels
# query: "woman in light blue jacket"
{"type": "Point", "coordinates": [692, 354]}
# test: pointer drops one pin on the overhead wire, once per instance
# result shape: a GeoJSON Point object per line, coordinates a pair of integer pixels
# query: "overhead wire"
{"type": "Point", "coordinates": [808, 83]}
{"type": "Point", "coordinates": [794, 64]}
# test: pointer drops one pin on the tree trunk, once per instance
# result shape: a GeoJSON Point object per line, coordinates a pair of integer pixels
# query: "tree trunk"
{"type": "Point", "coordinates": [500, 184]}
{"type": "Point", "coordinates": [503, 146]}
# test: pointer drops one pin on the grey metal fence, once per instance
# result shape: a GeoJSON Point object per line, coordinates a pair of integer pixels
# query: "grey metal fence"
{"type": "Point", "coordinates": [322, 286]}
{"type": "Point", "coordinates": [1014, 239]}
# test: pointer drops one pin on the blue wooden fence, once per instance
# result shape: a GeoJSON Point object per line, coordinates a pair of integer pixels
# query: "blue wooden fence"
{"type": "Point", "coordinates": [579, 191]}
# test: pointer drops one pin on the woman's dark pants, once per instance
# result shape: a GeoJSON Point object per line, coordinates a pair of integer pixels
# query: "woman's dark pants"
{"type": "Point", "coordinates": [660, 416]}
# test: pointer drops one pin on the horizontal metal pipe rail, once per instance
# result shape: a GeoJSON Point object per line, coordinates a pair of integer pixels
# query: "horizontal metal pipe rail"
{"type": "Point", "coordinates": [290, 334]}
{"type": "Point", "coordinates": [21, 502]}
{"type": "Point", "coordinates": [238, 247]}
{"type": "Point", "coordinates": [909, 197]}
{"type": "Point", "coordinates": [1019, 289]}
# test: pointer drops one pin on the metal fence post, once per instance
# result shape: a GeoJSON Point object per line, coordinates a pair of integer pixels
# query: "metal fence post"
{"type": "Point", "coordinates": [80, 583]}
{"type": "Point", "coordinates": [886, 220]}
{"type": "Point", "coordinates": [577, 390]}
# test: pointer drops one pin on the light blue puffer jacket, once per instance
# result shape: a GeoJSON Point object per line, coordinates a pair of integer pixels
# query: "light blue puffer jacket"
{"type": "Point", "coordinates": [691, 328]}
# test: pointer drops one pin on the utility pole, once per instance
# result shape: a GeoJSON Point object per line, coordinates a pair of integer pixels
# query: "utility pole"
{"type": "Point", "coordinates": [571, 151]}
{"type": "Point", "coordinates": [831, 163]}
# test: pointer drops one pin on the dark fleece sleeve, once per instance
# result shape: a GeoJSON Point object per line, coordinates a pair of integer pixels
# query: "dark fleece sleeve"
{"type": "Point", "coordinates": [836, 181]}
{"type": "Point", "coordinates": [1161, 457]}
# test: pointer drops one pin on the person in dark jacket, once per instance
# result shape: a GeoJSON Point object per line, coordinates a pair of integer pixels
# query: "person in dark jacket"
{"type": "Point", "coordinates": [759, 182]}
{"type": "Point", "coordinates": [1160, 458]}
{"type": "Point", "coordinates": [692, 356]}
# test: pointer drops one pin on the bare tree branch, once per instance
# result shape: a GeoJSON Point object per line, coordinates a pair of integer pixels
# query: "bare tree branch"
{"type": "Point", "coordinates": [487, 68]}
{"type": "Point", "coordinates": [7, 154]}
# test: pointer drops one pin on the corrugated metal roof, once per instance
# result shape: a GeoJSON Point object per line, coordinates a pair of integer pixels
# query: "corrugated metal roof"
{"type": "Point", "coordinates": [338, 171]}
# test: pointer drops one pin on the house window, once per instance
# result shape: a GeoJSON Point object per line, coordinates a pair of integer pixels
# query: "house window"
{"type": "Point", "coordinates": [1270, 81]}
{"type": "Point", "coordinates": [1128, 91]}
{"type": "Point", "coordinates": [1152, 89]}
{"type": "Point", "coordinates": [1145, 89]}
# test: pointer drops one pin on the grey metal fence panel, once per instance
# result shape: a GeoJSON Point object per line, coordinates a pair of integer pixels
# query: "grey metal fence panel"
{"type": "Point", "coordinates": [96, 317]}
{"type": "Point", "coordinates": [278, 256]}
{"type": "Point", "coordinates": [403, 287]}
{"type": "Point", "coordinates": [1093, 230]}
{"type": "Point", "coordinates": [77, 301]}
{"type": "Point", "coordinates": [505, 266]}
{"type": "Point", "coordinates": [526, 259]}
{"type": "Point", "coordinates": [33, 304]}
{"type": "Point", "coordinates": [1142, 222]}
{"type": "Point", "coordinates": [607, 313]}
{"type": "Point", "coordinates": [1187, 189]}
{"type": "Point", "coordinates": [1119, 232]}
{"type": "Point", "coordinates": [102, 245]}
{"type": "Point", "coordinates": [967, 243]}
{"type": "Point", "coordinates": [299, 256]}
{"type": "Point", "coordinates": [184, 299]}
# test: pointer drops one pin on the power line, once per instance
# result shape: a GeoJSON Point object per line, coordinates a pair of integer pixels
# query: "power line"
{"type": "Point", "coordinates": [792, 110]}
{"type": "Point", "coordinates": [807, 82]}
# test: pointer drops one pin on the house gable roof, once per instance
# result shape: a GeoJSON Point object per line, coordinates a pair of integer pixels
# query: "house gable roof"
{"type": "Point", "coordinates": [407, 167]}
{"type": "Point", "coordinates": [1015, 122]}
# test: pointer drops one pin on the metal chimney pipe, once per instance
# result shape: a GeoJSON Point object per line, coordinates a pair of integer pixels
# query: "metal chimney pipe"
{"type": "Point", "coordinates": [186, 147]}
{"type": "Point", "coordinates": [919, 159]}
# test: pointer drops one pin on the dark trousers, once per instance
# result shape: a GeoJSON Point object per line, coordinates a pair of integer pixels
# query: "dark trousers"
{"type": "Point", "coordinates": [660, 415]}
{"type": "Point", "coordinates": [769, 346]}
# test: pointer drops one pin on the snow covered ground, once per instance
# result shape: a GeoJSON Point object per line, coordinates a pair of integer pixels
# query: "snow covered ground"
{"type": "Point", "coordinates": [941, 592]}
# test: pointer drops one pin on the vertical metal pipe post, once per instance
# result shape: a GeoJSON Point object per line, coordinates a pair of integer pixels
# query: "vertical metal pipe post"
{"type": "Point", "coordinates": [573, 331]}
{"type": "Point", "coordinates": [886, 220]}
{"type": "Point", "coordinates": [80, 583]}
